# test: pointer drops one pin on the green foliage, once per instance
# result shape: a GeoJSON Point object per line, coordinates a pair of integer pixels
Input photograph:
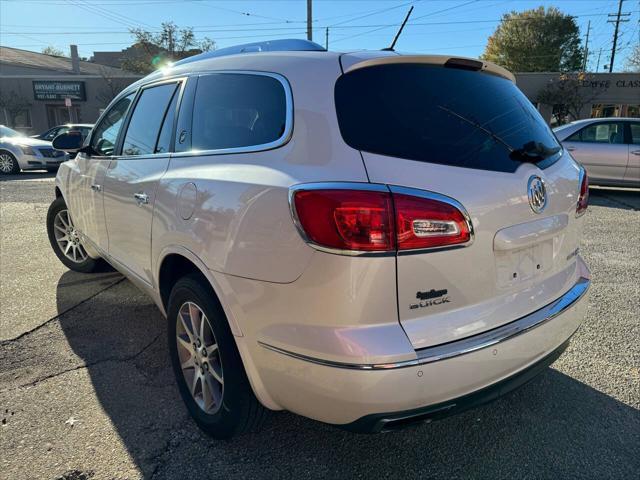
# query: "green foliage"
{"type": "Point", "coordinates": [537, 40]}
{"type": "Point", "coordinates": [633, 60]}
{"type": "Point", "coordinates": [154, 50]}
{"type": "Point", "coordinates": [51, 50]}
{"type": "Point", "coordinates": [568, 93]}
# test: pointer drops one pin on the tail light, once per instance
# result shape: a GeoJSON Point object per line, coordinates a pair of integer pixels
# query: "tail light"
{"type": "Point", "coordinates": [583, 198]}
{"type": "Point", "coordinates": [378, 220]}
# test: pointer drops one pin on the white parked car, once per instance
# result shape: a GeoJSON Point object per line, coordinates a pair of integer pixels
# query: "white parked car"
{"type": "Point", "coordinates": [609, 148]}
{"type": "Point", "coordinates": [19, 152]}
{"type": "Point", "coordinates": [367, 239]}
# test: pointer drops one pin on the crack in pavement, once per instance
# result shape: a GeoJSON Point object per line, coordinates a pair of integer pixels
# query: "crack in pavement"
{"type": "Point", "coordinates": [87, 365]}
{"type": "Point", "coordinates": [82, 302]}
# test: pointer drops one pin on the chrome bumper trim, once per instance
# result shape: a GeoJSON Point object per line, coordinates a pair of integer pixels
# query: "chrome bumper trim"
{"type": "Point", "coordinates": [465, 345]}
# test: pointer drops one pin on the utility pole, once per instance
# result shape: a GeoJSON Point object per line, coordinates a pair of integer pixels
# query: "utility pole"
{"type": "Point", "coordinates": [615, 33]}
{"type": "Point", "coordinates": [598, 65]}
{"type": "Point", "coordinates": [309, 20]}
{"type": "Point", "coordinates": [586, 49]}
{"type": "Point", "coordinates": [326, 39]}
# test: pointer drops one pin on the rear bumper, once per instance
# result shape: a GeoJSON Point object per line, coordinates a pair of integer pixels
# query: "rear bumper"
{"type": "Point", "coordinates": [439, 381]}
{"type": "Point", "coordinates": [381, 422]}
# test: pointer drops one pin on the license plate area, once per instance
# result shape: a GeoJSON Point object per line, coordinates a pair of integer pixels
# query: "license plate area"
{"type": "Point", "coordinates": [514, 267]}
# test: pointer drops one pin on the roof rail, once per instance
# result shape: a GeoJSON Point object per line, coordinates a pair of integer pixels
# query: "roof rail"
{"type": "Point", "coordinates": [284, 45]}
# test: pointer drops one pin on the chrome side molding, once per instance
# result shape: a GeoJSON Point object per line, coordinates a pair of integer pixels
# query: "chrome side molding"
{"type": "Point", "coordinates": [466, 345]}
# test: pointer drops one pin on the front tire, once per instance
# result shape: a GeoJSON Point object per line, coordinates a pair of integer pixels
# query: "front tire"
{"type": "Point", "coordinates": [8, 164]}
{"type": "Point", "coordinates": [205, 359]}
{"type": "Point", "coordinates": [65, 241]}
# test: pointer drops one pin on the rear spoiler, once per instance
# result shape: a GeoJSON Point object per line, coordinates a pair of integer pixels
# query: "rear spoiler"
{"type": "Point", "coordinates": [443, 60]}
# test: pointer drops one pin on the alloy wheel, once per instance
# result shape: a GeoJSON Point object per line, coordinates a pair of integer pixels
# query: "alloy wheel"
{"type": "Point", "coordinates": [67, 237]}
{"type": "Point", "coordinates": [6, 163]}
{"type": "Point", "coordinates": [199, 357]}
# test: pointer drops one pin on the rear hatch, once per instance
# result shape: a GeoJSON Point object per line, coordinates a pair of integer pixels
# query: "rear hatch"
{"type": "Point", "coordinates": [464, 130]}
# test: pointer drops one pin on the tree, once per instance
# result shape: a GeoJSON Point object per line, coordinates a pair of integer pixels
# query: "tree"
{"type": "Point", "coordinates": [51, 50]}
{"type": "Point", "coordinates": [633, 60]}
{"type": "Point", "coordinates": [567, 95]}
{"type": "Point", "coordinates": [112, 87]}
{"type": "Point", "coordinates": [152, 51]}
{"type": "Point", "coordinates": [14, 104]}
{"type": "Point", "coordinates": [537, 40]}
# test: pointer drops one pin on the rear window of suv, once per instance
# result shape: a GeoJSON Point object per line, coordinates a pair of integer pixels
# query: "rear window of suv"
{"type": "Point", "coordinates": [442, 115]}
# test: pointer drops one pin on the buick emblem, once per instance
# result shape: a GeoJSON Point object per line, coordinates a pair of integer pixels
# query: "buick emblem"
{"type": "Point", "coordinates": [537, 193]}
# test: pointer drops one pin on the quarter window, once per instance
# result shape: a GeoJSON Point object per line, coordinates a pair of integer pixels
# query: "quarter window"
{"type": "Point", "coordinates": [238, 110]}
{"type": "Point", "coordinates": [164, 140]}
{"type": "Point", "coordinates": [144, 127]}
{"type": "Point", "coordinates": [600, 133]}
{"type": "Point", "coordinates": [105, 136]}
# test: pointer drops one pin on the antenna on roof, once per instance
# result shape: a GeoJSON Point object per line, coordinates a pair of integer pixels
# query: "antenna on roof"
{"type": "Point", "coordinates": [393, 44]}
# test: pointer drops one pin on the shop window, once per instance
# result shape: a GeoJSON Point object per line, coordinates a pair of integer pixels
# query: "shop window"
{"type": "Point", "coordinates": [18, 119]}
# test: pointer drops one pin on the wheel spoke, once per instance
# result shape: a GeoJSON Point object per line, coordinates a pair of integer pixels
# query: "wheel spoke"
{"type": "Point", "coordinates": [216, 375]}
{"type": "Point", "coordinates": [194, 315]}
{"type": "Point", "coordinates": [188, 363]}
{"type": "Point", "coordinates": [62, 229]}
{"type": "Point", "coordinates": [184, 343]}
{"type": "Point", "coordinates": [186, 327]}
{"type": "Point", "coordinates": [194, 382]}
{"type": "Point", "coordinates": [68, 247]}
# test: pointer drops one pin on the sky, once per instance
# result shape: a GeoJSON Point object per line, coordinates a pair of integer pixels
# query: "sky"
{"type": "Point", "coordinates": [456, 27]}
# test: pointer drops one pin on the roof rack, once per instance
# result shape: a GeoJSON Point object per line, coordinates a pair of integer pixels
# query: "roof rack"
{"type": "Point", "coordinates": [284, 45]}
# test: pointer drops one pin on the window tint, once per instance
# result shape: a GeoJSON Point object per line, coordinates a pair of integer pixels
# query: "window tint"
{"type": "Point", "coordinates": [237, 110]}
{"type": "Point", "coordinates": [148, 114]}
{"type": "Point", "coordinates": [105, 136]}
{"type": "Point", "coordinates": [600, 133]}
{"type": "Point", "coordinates": [442, 115]}
{"type": "Point", "coordinates": [164, 140]}
{"type": "Point", "coordinates": [635, 133]}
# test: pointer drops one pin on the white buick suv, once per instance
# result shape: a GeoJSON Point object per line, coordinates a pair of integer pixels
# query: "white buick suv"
{"type": "Point", "coordinates": [367, 239]}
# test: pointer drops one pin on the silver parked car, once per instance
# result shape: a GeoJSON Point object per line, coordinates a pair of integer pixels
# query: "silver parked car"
{"type": "Point", "coordinates": [19, 152]}
{"type": "Point", "coordinates": [609, 148]}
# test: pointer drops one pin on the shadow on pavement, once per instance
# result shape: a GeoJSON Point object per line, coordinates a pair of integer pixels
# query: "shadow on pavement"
{"type": "Point", "coordinates": [553, 427]}
{"type": "Point", "coordinates": [626, 199]}
{"type": "Point", "coordinates": [31, 175]}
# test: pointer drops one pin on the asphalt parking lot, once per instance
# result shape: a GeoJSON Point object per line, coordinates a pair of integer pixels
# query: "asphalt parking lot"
{"type": "Point", "coordinates": [86, 389]}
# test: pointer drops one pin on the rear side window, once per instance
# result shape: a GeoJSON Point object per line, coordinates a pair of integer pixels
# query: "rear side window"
{"type": "Point", "coordinates": [600, 133]}
{"type": "Point", "coordinates": [148, 114]}
{"type": "Point", "coordinates": [238, 110]}
{"type": "Point", "coordinates": [441, 115]}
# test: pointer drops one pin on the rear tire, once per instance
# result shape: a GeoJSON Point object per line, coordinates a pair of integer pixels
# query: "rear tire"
{"type": "Point", "coordinates": [206, 362]}
{"type": "Point", "coordinates": [8, 164]}
{"type": "Point", "coordinates": [65, 242]}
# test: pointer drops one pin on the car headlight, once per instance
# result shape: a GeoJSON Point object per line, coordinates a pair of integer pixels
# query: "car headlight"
{"type": "Point", "coordinates": [27, 150]}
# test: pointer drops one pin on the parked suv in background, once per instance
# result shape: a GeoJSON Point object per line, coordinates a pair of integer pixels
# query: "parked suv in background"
{"type": "Point", "coordinates": [19, 152]}
{"type": "Point", "coordinates": [367, 239]}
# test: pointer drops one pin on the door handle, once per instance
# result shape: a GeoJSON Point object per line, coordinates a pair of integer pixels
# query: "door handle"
{"type": "Point", "coordinates": [96, 188]}
{"type": "Point", "coordinates": [571, 149]}
{"type": "Point", "coordinates": [142, 198]}
{"type": "Point", "coordinates": [636, 152]}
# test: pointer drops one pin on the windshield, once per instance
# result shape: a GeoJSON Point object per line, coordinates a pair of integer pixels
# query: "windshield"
{"type": "Point", "coordinates": [7, 132]}
{"type": "Point", "coordinates": [442, 115]}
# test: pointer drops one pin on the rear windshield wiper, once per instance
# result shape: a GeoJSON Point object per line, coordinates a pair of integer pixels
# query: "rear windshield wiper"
{"type": "Point", "coordinates": [530, 152]}
{"type": "Point", "coordinates": [533, 152]}
{"type": "Point", "coordinates": [479, 127]}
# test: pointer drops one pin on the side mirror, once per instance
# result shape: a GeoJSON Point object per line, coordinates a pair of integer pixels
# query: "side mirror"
{"type": "Point", "coordinates": [69, 142]}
